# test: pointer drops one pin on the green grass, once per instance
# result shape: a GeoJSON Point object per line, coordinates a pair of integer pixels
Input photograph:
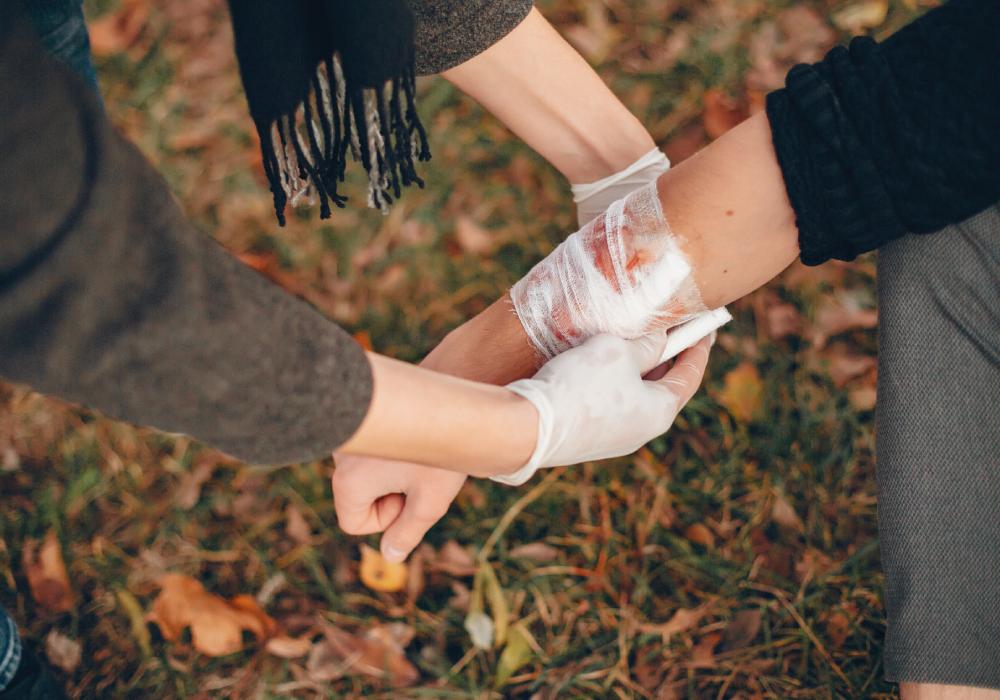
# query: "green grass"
{"type": "Point", "coordinates": [628, 557]}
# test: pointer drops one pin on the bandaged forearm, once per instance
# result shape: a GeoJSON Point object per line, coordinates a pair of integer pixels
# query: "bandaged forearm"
{"type": "Point", "coordinates": [624, 273]}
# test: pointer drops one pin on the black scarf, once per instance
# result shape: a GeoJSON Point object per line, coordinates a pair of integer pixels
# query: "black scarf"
{"type": "Point", "coordinates": [324, 77]}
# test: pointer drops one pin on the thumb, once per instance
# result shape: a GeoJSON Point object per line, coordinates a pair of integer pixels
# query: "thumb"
{"type": "Point", "coordinates": [423, 508]}
{"type": "Point", "coordinates": [647, 350]}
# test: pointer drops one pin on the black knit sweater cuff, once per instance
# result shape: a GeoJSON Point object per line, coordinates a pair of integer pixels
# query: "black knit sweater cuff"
{"type": "Point", "coordinates": [879, 140]}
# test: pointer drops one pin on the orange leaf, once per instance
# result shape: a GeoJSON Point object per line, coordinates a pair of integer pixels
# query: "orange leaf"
{"type": "Point", "coordinates": [217, 625]}
{"type": "Point", "coordinates": [47, 575]}
{"type": "Point", "coordinates": [379, 574]}
{"type": "Point", "coordinates": [722, 112]}
{"type": "Point", "coordinates": [700, 534]}
{"type": "Point", "coordinates": [743, 392]}
{"type": "Point", "coordinates": [117, 30]}
{"type": "Point", "coordinates": [289, 647]}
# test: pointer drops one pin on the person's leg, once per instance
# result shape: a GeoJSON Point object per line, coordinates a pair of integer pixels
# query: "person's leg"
{"type": "Point", "coordinates": [938, 451]}
{"type": "Point", "coordinates": [931, 691]}
{"type": "Point", "coordinates": [62, 29]}
{"type": "Point", "coordinates": [10, 649]}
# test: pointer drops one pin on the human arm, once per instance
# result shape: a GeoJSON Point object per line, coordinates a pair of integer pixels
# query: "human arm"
{"type": "Point", "coordinates": [739, 214]}
{"type": "Point", "coordinates": [110, 298]}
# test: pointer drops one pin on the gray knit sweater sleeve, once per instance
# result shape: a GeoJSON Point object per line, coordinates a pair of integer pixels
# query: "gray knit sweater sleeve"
{"type": "Point", "coordinates": [110, 298]}
{"type": "Point", "coordinates": [450, 32]}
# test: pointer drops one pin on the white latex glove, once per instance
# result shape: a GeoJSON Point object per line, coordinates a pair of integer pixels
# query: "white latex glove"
{"type": "Point", "coordinates": [593, 198]}
{"type": "Point", "coordinates": [593, 402]}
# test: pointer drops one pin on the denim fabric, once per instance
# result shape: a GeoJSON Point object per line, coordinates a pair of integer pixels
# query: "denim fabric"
{"type": "Point", "coordinates": [62, 29]}
{"type": "Point", "coordinates": [938, 451]}
{"type": "Point", "coordinates": [10, 649]}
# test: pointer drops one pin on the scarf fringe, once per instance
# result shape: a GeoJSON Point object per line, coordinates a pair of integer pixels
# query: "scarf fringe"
{"type": "Point", "coordinates": [305, 151]}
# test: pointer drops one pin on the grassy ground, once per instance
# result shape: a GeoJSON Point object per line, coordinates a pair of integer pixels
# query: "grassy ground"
{"type": "Point", "coordinates": [755, 518]}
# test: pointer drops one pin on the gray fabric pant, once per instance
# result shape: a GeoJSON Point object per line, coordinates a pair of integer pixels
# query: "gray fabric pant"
{"type": "Point", "coordinates": [938, 450]}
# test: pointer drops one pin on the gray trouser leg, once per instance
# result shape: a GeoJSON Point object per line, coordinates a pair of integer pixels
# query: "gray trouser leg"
{"type": "Point", "coordinates": [938, 449]}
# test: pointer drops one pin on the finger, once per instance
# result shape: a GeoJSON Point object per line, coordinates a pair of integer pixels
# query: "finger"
{"type": "Point", "coordinates": [423, 508]}
{"type": "Point", "coordinates": [366, 495]}
{"type": "Point", "coordinates": [685, 376]}
{"type": "Point", "coordinates": [647, 350]}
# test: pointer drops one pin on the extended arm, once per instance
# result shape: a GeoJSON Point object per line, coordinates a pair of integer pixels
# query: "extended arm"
{"type": "Point", "coordinates": [872, 142]}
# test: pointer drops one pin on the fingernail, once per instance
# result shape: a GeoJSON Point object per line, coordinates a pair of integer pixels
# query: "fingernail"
{"type": "Point", "coordinates": [712, 338]}
{"type": "Point", "coordinates": [392, 554]}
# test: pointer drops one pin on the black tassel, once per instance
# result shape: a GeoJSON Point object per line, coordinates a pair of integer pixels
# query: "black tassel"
{"type": "Point", "coordinates": [378, 126]}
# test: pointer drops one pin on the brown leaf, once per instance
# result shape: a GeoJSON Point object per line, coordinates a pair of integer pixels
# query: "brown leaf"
{"type": "Point", "coordinates": [863, 398]}
{"type": "Point", "coordinates": [473, 238]}
{"type": "Point", "coordinates": [189, 490]}
{"type": "Point", "coordinates": [288, 647]}
{"type": "Point", "coordinates": [799, 35]}
{"type": "Point", "coordinates": [681, 621]}
{"type": "Point", "coordinates": [812, 564]}
{"type": "Point", "coordinates": [721, 112]}
{"type": "Point", "coordinates": [782, 320]}
{"type": "Point", "coordinates": [381, 575]}
{"type": "Point", "coordinates": [783, 513]}
{"type": "Point", "coordinates": [62, 652]}
{"type": "Point", "coordinates": [296, 526]}
{"type": "Point", "coordinates": [119, 29]}
{"type": "Point", "coordinates": [838, 315]}
{"type": "Point", "coordinates": [454, 559]}
{"type": "Point", "coordinates": [46, 572]}
{"type": "Point", "coordinates": [703, 653]}
{"type": "Point", "coordinates": [859, 16]}
{"type": "Point", "coordinates": [700, 534]}
{"type": "Point", "coordinates": [378, 653]}
{"type": "Point", "coordinates": [743, 392]}
{"type": "Point", "coordinates": [686, 142]}
{"type": "Point", "coordinates": [217, 625]}
{"type": "Point", "coordinates": [742, 629]}
{"type": "Point", "coordinates": [838, 627]}
{"type": "Point", "coordinates": [843, 366]}
{"type": "Point", "coordinates": [535, 551]}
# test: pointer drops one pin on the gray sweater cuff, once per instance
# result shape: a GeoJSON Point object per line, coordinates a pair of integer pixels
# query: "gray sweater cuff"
{"type": "Point", "coordinates": [450, 32]}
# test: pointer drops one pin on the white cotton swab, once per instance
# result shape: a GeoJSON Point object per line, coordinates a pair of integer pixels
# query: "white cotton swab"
{"type": "Point", "coordinates": [687, 334]}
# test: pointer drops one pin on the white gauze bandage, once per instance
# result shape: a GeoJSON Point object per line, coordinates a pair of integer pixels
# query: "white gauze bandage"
{"type": "Point", "coordinates": [623, 273]}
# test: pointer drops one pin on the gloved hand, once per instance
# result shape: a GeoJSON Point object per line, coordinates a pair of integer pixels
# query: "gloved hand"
{"type": "Point", "coordinates": [593, 198]}
{"type": "Point", "coordinates": [593, 402]}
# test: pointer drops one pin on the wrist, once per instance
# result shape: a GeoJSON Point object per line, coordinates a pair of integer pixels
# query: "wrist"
{"type": "Point", "coordinates": [491, 347]}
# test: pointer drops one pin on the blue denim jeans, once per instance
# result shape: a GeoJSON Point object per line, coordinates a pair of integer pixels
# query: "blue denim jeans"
{"type": "Point", "coordinates": [62, 29]}
{"type": "Point", "coordinates": [60, 26]}
{"type": "Point", "coordinates": [10, 649]}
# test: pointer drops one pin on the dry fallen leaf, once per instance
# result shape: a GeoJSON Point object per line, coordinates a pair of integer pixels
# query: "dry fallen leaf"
{"type": "Point", "coordinates": [782, 320]}
{"type": "Point", "coordinates": [296, 526]}
{"type": "Point", "coordinates": [783, 513]}
{"type": "Point", "coordinates": [799, 35]}
{"type": "Point", "coordinates": [700, 534]}
{"type": "Point", "coordinates": [843, 365]}
{"type": "Point", "coordinates": [859, 16]}
{"type": "Point", "coordinates": [62, 652]}
{"type": "Point", "coordinates": [118, 30]}
{"type": "Point", "coordinates": [217, 625]}
{"type": "Point", "coordinates": [742, 629]}
{"type": "Point", "coordinates": [722, 112]}
{"type": "Point", "coordinates": [47, 575]}
{"type": "Point", "coordinates": [454, 559]}
{"type": "Point", "coordinates": [838, 627]}
{"type": "Point", "coordinates": [378, 653]}
{"type": "Point", "coordinates": [703, 653]}
{"type": "Point", "coordinates": [288, 647]}
{"type": "Point", "coordinates": [838, 315]}
{"type": "Point", "coordinates": [743, 392]}
{"type": "Point", "coordinates": [516, 653]}
{"type": "Point", "coordinates": [681, 621]}
{"type": "Point", "coordinates": [379, 574]}
{"type": "Point", "coordinates": [535, 551]}
{"type": "Point", "coordinates": [473, 238]}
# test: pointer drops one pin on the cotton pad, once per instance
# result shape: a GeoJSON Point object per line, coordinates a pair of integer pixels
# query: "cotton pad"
{"type": "Point", "coordinates": [684, 336]}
